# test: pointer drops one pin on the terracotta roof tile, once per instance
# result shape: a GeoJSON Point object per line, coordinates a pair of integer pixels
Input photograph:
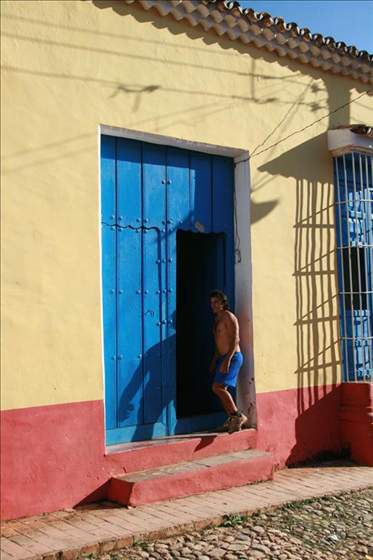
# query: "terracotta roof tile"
{"type": "Point", "coordinates": [260, 29]}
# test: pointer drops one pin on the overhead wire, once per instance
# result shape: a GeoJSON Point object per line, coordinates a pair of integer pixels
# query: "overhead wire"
{"type": "Point", "coordinates": [304, 128]}
{"type": "Point", "coordinates": [237, 237]}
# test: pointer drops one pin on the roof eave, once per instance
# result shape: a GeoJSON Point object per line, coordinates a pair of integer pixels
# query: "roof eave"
{"type": "Point", "coordinates": [264, 32]}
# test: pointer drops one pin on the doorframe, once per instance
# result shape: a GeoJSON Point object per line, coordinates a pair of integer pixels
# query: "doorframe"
{"type": "Point", "coordinates": [246, 396]}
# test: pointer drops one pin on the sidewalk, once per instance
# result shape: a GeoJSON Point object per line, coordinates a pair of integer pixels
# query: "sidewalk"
{"type": "Point", "coordinates": [105, 527]}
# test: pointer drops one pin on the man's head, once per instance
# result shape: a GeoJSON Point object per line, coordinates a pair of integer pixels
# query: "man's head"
{"type": "Point", "coordinates": [218, 301]}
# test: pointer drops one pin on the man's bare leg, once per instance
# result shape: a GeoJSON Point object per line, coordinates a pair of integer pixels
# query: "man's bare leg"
{"type": "Point", "coordinates": [225, 398]}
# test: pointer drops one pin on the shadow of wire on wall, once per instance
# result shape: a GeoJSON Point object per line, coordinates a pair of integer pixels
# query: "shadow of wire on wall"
{"type": "Point", "coordinates": [318, 370]}
{"type": "Point", "coordinates": [121, 47]}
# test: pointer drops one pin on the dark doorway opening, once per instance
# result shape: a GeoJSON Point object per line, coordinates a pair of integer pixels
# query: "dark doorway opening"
{"type": "Point", "coordinates": [200, 269]}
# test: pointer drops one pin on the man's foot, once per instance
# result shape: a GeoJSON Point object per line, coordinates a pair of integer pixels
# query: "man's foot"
{"type": "Point", "coordinates": [236, 422]}
{"type": "Point", "coordinates": [224, 427]}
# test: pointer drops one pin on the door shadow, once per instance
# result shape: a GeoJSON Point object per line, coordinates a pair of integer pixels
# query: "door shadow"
{"type": "Point", "coordinates": [135, 399]}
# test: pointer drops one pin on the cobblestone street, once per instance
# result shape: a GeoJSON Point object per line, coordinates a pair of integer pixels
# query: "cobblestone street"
{"type": "Point", "coordinates": [330, 528]}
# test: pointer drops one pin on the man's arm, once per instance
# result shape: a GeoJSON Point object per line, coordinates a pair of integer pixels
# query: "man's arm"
{"type": "Point", "coordinates": [213, 361]}
{"type": "Point", "coordinates": [232, 331]}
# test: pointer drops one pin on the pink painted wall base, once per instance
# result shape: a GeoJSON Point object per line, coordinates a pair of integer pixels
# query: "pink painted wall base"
{"type": "Point", "coordinates": [356, 421]}
{"type": "Point", "coordinates": [298, 424]}
{"type": "Point", "coordinates": [54, 457]}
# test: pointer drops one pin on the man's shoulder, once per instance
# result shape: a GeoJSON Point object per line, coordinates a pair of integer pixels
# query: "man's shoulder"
{"type": "Point", "coordinates": [229, 315]}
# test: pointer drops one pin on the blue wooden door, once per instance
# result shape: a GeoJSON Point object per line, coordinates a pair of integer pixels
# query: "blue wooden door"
{"type": "Point", "coordinates": [149, 193]}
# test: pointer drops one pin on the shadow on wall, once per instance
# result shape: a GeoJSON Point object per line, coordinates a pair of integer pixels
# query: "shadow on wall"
{"type": "Point", "coordinates": [259, 210]}
{"type": "Point", "coordinates": [315, 278]}
{"type": "Point", "coordinates": [316, 326]}
{"type": "Point", "coordinates": [258, 88]}
{"type": "Point", "coordinates": [114, 89]}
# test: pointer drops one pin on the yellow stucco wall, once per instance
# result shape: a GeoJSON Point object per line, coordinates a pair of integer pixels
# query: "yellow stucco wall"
{"type": "Point", "coordinates": [70, 65]}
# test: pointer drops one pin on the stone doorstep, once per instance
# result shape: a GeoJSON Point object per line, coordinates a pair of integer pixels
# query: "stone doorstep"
{"type": "Point", "coordinates": [191, 477]}
{"type": "Point", "coordinates": [177, 449]}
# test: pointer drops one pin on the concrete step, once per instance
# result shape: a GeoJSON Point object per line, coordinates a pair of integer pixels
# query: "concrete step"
{"type": "Point", "coordinates": [191, 477]}
{"type": "Point", "coordinates": [133, 457]}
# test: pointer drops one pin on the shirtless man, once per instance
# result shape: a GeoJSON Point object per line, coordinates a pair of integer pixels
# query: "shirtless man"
{"type": "Point", "coordinates": [227, 359]}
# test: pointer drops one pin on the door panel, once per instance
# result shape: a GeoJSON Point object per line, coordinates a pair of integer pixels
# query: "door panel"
{"type": "Point", "coordinates": [108, 241]}
{"type": "Point", "coordinates": [154, 185]}
{"type": "Point", "coordinates": [223, 214]}
{"type": "Point", "coordinates": [200, 192]}
{"type": "Point", "coordinates": [178, 217]}
{"type": "Point", "coordinates": [129, 332]}
{"type": "Point", "coordinates": [129, 183]}
{"type": "Point", "coordinates": [178, 190]}
{"type": "Point", "coordinates": [152, 325]}
{"type": "Point", "coordinates": [154, 278]}
{"type": "Point", "coordinates": [108, 180]}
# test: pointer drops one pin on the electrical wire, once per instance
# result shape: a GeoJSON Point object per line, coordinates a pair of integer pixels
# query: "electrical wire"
{"type": "Point", "coordinates": [305, 127]}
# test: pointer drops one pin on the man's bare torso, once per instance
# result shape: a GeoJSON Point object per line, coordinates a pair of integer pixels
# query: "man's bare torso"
{"type": "Point", "coordinates": [226, 332]}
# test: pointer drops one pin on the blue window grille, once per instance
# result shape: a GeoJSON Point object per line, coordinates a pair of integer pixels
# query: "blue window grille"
{"type": "Point", "coordinates": [354, 235]}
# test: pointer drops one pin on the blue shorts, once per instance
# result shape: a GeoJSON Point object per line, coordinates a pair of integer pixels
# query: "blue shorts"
{"type": "Point", "coordinates": [229, 378]}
